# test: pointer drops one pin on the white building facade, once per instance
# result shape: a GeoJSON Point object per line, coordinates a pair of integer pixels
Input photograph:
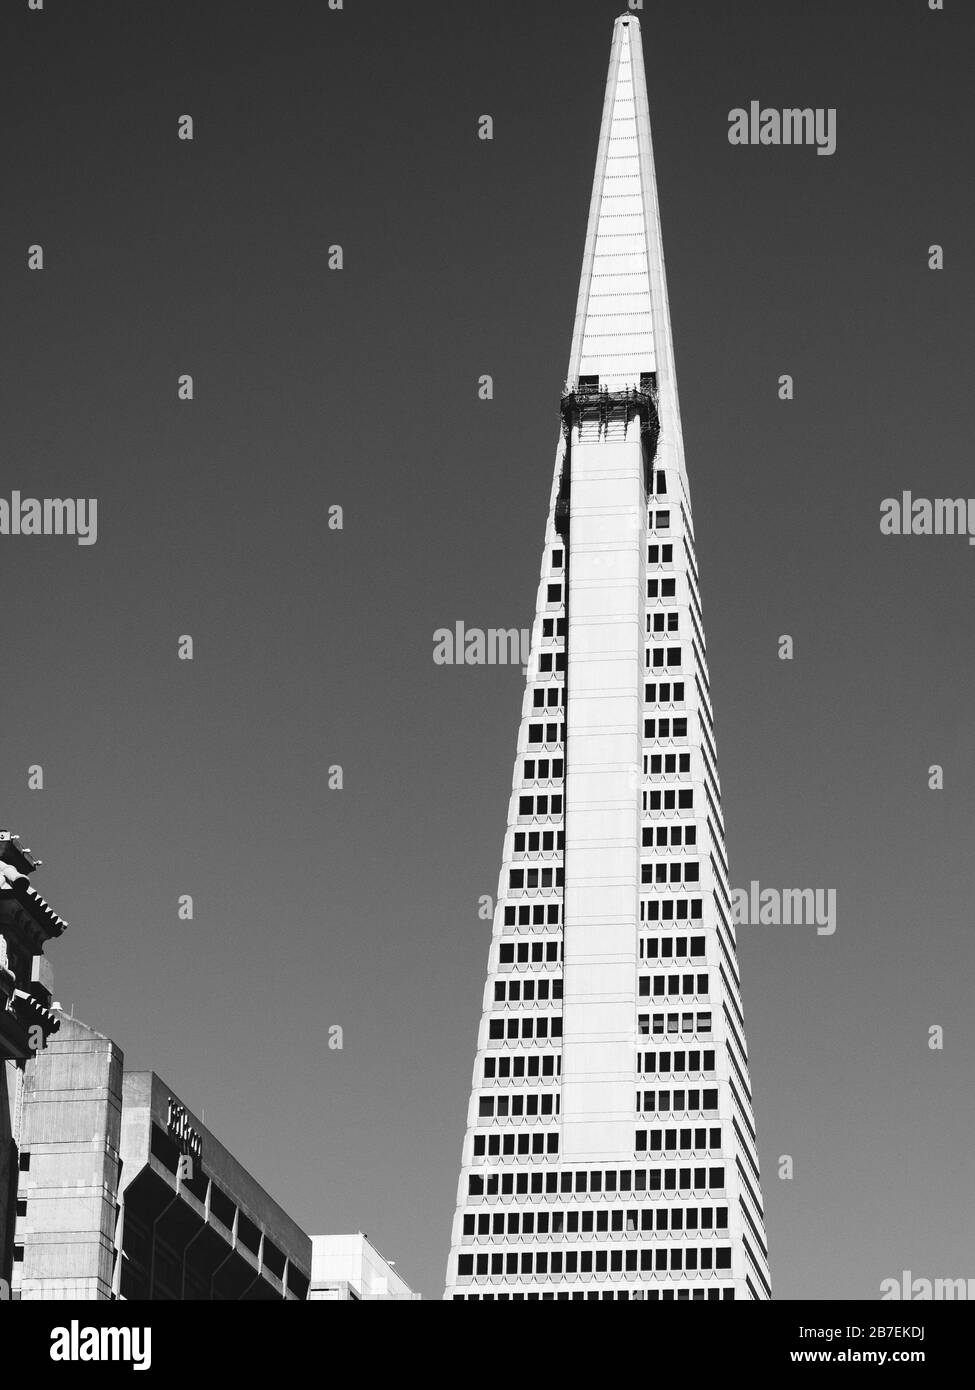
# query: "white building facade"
{"type": "Point", "coordinates": [610, 1148]}
{"type": "Point", "coordinates": [350, 1268]}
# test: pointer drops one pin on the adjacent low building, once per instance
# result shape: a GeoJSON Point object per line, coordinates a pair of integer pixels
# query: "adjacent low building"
{"type": "Point", "coordinates": [349, 1268]}
{"type": "Point", "coordinates": [124, 1193]}
{"type": "Point", "coordinates": [110, 1186]}
{"type": "Point", "coordinates": [27, 1016]}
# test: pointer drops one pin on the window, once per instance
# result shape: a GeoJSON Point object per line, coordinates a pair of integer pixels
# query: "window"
{"type": "Point", "coordinates": [555, 593]}
{"type": "Point", "coordinates": [558, 559]}
{"type": "Point", "coordinates": [221, 1206]}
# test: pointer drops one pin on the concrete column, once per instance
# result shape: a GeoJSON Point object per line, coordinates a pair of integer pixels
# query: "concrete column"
{"type": "Point", "coordinates": [606, 642]}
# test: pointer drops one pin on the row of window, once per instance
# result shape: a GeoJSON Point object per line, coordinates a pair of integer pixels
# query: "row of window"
{"type": "Point", "coordinates": [598, 1219]}
{"type": "Point", "coordinates": [539, 842]}
{"type": "Point", "coordinates": [682, 1295]}
{"type": "Point", "coordinates": [661, 588]}
{"type": "Point", "coordinates": [671, 909]}
{"type": "Point", "coordinates": [655, 947]}
{"type": "Point", "coordinates": [663, 622]}
{"type": "Point", "coordinates": [658, 521]}
{"type": "Point", "coordinates": [511, 1145]}
{"type": "Point", "coordinates": [665, 693]}
{"type": "Point", "coordinates": [541, 805]}
{"type": "Point", "coordinates": [662, 1063]}
{"type": "Point", "coordinates": [596, 1182]}
{"type": "Point", "coordinates": [548, 662]}
{"type": "Point", "coordinates": [656, 985]}
{"type": "Point", "coordinates": [676, 871]}
{"type": "Point", "coordinates": [659, 1024]}
{"type": "Point", "coordinates": [665, 1102]}
{"type": "Point", "coordinates": [546, 733]}
{"type": "Point", "coordinates": [527, 1028]}
{"type": "Point", "coordinates": [669, 1062]}
{"type": "Point", "coordinates": [503, 1067]}
{"type": "Point", "coordinates": [504, 1107]}
{"type": "Point", "coordinates": [547, 696]}
{"type": "Point", "coordinates": [536, 952]}
{"type": "Point", "coordinates": [661, 728]}
{"type": "Point", "coordinates": [527, 991]}
{"type": "Point", "coordinates": [543, 1263]}
{"type": "Point", "coordinates": [533, 915]}
{"type": "Point", "coordinates": [523, 879]}
{"type": "Point", "coordinates": [544, 769]}
{"type": "Point", "coordinates": [661, 835]}
{"type": "Point", "coordinates": [660, 554]}
{"type": "Point", "coordinates": [657, 764]}
{"type": "Point", "coordinates": [671, 800]}
{"type": "Point", "coordinates": [658, 657]}
{"type": "Point", "coordinates": [686, 1140]}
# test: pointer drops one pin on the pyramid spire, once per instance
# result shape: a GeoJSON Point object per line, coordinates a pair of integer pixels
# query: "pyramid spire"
{"type": "Point", "coordinates": [622, 327]}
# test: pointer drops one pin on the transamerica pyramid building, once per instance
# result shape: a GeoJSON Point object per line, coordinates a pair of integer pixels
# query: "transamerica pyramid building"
{"type": "Point", "coordinates": [610, 1149]}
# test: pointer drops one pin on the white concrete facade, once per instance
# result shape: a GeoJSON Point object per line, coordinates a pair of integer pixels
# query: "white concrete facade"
{"type": "Point", "coordinates": [347, 1268]}
{"type": "Point", "coordinates": [602, 804]}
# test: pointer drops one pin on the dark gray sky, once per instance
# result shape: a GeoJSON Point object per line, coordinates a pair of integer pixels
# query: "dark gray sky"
{"type": "Point", "coordinates": [358, 907]}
